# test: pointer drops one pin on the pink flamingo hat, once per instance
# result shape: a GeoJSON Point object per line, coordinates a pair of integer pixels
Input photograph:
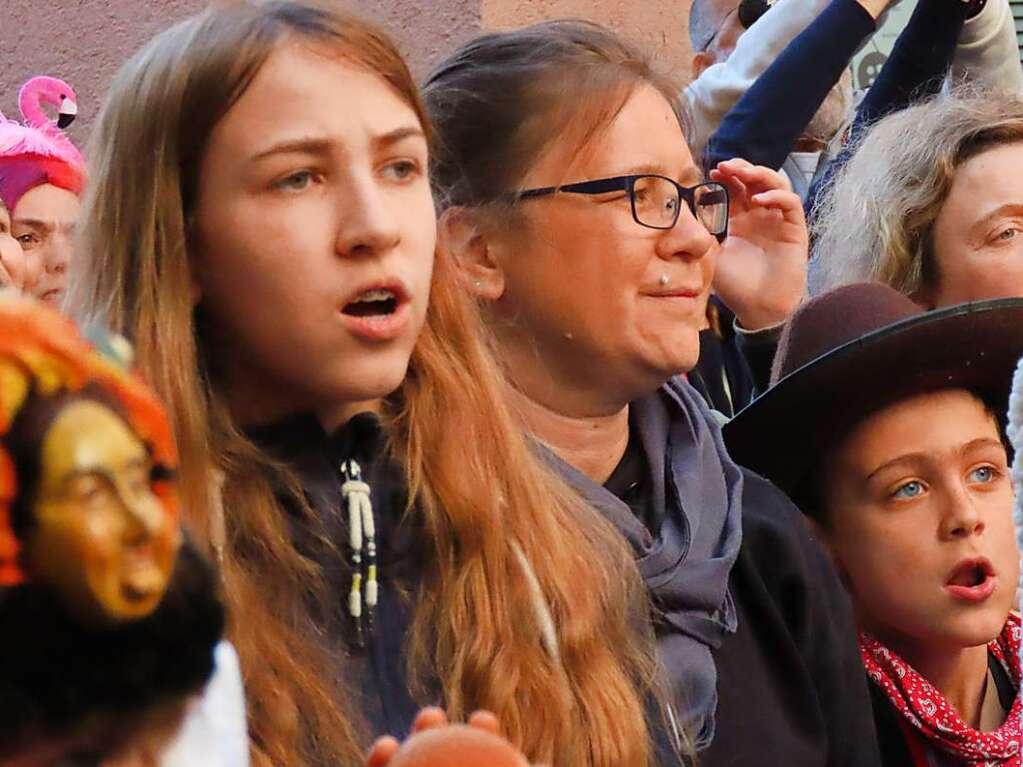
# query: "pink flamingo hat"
{"type": "Point", "coordinates": [38, 151]}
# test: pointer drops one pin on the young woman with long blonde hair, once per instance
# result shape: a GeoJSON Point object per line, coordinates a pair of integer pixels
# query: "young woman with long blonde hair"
{"type": "Point", "coordinates": [260, 224]}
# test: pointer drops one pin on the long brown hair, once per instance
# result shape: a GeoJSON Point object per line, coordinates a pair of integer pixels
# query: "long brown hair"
{"type": "Point", "coordinates": [504, 535]}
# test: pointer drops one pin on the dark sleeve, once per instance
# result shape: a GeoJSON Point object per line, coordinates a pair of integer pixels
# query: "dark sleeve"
{"type": "Point", "coordinates": [819, 617]}
{"type": "Point", "coordinates": [915, 70]}
{"type": "Point", "coordinates": [758, 349]}
{"type": "Point", "coordinates": [766, 122]}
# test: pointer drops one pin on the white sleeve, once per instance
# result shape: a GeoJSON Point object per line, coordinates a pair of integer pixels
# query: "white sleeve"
{"type": "Point", "coordinates": [214, 733]}
{"type": "Point", "coordinates": [987, 53]}
{"type": "Point", "coordinates": [720, 86]}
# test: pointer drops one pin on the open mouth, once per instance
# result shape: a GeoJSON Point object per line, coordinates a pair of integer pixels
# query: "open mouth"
{"type": "Point", "coordinates": [379, 302]}
{"type": "Point", "coordinates": [972, 580]}
{"type": "Point", "coordinates": [140, 575]}
{"type": "Point", "coordinates": [141, 583]}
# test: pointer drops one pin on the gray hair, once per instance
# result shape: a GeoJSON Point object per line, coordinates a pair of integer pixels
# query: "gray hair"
{"type": "Point", "coordinates": [705, 18]}
{"type": "Point", "coordinates": [875, 220]}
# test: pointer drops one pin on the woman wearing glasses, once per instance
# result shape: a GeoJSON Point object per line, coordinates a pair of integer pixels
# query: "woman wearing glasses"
{"type": "Point", "coordinates": [585, 229]}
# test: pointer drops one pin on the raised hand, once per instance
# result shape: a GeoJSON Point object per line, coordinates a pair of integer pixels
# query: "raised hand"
{"type": "Point", "coordinates": [761, 270]}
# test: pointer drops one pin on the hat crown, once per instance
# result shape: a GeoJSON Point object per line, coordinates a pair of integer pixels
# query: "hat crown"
{"type": "Point", "coordinates": [835, 318]}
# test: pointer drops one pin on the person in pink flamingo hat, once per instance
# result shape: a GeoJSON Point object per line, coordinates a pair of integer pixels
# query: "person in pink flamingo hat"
{"type": "Point", "coordinates": [41, 178]}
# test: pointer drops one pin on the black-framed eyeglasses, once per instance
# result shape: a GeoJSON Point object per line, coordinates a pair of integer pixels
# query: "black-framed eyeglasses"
{"type": "Point", "coordinates": [656, 200]}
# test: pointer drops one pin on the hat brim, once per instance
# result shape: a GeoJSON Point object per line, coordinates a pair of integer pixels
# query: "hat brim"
{"type": "Point", "coordinates": [784, 433]}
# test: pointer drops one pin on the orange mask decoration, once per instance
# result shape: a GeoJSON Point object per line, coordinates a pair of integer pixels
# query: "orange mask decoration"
{"type": "Point", "coordinates": [104, 532]}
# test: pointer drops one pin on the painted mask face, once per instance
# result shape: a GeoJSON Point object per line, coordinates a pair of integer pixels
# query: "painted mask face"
{"type": "Point", "coordinates": [101, 536]}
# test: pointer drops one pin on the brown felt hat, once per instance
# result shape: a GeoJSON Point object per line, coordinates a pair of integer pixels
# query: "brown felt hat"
{"type": "Point", "coordinates": [857, 349]}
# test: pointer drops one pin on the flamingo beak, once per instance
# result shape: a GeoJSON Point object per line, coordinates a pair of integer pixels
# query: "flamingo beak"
{"type": "Point", "coordinates": [67, 113]}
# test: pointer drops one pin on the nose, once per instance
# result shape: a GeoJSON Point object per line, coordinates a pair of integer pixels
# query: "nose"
{"type": "Point", "coordinates": [368, 225]}
{"type": "Point", "coordinates": [962, 516]}
{"type": "Point", "coordinates": [59, 254]}
{"type": "Point", "coordinates": [143, 513]}
{"type": "Point", "coordinates": [688, 240]}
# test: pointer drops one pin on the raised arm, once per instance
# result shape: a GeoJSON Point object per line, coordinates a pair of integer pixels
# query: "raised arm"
{"type": "Point", "coordinates": [766, 122]}
{"type": "Point", "coordinates": [987, 53]}
{"type": "Point", "coordinates": [915, 69]}
{"type": "Point", "coordinates": [711, 95]}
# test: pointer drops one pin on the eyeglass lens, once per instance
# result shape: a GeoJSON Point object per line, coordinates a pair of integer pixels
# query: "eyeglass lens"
{"type": "Point", "coordinates": [656, 201]}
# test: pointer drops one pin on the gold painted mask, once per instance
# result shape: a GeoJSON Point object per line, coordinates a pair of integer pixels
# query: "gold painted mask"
{"type": "Point", "coordinates": [101, 536]}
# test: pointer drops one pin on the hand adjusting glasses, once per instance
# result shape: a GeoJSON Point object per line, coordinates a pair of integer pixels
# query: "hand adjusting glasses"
{"type": "Point", "coordinates": [656, 200]}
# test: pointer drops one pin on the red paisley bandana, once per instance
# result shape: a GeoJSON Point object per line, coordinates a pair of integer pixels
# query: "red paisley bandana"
{"type": "Point", "coordinates": [927, 711]}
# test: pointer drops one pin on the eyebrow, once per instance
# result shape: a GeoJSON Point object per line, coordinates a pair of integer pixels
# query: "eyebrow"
{"type": "Point", "coordinates": [37, 224]}
{"type": "Point", "coordinates": [398, 134]}
{"type": "Point", "coordinates": [1008, 208]}
{"type": "Point", "coordinates": [305, 145]}
{"type": "Point", "coordinates": [100, 467]}
{"type": "Point", "coordinates": [691, 175]}
{"type": "Point", "coordinates": [920, 456]}
{"type": "Point", "coordinates": [322, 146]}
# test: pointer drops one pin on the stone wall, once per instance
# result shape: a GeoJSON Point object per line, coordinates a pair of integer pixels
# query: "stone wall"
{"type": "Point", "coordinates": [84, 41]}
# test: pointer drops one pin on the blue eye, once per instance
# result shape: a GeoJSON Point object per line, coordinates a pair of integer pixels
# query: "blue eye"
{"type": "Point", "coordinates": [909, 490]}
{"type": "Point", "coordinates": [984, 474]}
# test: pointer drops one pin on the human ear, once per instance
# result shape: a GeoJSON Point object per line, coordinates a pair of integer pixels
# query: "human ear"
{"type": "Point", "coordinates": [460, 235]}
{"type": "Point", "coordinates": [701, 62]}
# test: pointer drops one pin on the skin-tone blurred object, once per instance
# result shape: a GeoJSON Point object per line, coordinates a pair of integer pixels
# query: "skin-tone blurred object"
{"type": "Point", "coordinates": [436, 743]}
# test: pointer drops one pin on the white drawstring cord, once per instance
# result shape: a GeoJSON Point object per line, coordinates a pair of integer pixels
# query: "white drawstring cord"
{"type": "Point", "coordinates": [361, 537]}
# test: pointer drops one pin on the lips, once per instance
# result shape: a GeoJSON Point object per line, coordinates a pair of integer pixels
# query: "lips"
{"type": "Point", "coordinates": [972, 580]}
{"type": "Point", "coordinates": [52, 296]}
{"type": "Point", "coordinates": [140, 576]}
{"type": "Point", "coordinates": [377, 311]}
{"type": "Point", "coordinates": [678, 293]}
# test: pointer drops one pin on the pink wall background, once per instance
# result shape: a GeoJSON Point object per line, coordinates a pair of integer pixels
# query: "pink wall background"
{"type": "Point", "coordinates": [85, 41]}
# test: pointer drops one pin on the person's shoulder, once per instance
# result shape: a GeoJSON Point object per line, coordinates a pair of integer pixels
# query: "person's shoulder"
{"type": "Point", "coordinates": [767, 511]}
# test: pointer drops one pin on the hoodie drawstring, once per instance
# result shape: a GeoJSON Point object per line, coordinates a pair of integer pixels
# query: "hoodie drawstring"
{"type": "Point", "coordinates": [361, 538]}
